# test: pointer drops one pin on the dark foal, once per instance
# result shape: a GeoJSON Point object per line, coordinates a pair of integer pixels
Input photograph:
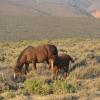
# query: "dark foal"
{"type": "Point", "coordinates": [56, 63]}
{"type": "Point", "coordinates": [34, 55]}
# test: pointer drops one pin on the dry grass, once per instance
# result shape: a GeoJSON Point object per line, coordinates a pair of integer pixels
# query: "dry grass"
{"type": "Point", "coordinates": [85, 72]}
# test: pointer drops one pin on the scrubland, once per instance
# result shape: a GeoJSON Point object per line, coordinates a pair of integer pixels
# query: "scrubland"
{"type": "Point", "coordinates": [83, 82]}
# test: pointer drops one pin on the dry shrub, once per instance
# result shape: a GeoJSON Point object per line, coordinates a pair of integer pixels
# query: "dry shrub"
{"type": "Point", "coordinates": [42, 87]}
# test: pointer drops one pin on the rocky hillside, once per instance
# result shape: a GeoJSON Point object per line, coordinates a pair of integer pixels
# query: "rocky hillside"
{"type": "Point", "coordinates": [49, 7]}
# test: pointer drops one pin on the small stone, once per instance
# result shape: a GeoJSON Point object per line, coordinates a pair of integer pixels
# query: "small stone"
{"type": "Point", "coordinates": [2, 98]}
{"type": "Point", "coordinates": [97, 59]}
{"type": "Point", "coordinates": [97, 93]}
{"type": "Point", "coordinates": [75, 98]}
{"type": "Point", "coordinates": [11, 86]}
{"type": "Point", "coordinates": [20, 85]}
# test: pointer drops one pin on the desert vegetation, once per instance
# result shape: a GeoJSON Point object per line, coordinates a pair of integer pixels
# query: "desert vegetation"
{"type": "Point", "coordinates": [83, 82]}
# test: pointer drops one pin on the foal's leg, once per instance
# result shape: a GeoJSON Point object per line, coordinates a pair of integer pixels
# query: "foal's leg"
{"type": "Point", "coordinates": [55, 74]}
{"type": "Point", "coordinates": [66, 72]}
{"type": "Point", "coordinates": [57, 71]}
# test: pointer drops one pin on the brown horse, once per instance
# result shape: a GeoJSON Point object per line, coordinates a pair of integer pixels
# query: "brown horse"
{"type": "Point", "coordinates": [56, 63]}
{"type": "Point", "coordinates": [34, 55]}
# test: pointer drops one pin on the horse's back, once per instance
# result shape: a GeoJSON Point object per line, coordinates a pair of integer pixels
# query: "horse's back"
{"type": "Point", "coordinates": [38, 54]}
{"type": "Point", "coordinates": [44, 52]}
{"type": "Point", "coordinates": [41, 53]}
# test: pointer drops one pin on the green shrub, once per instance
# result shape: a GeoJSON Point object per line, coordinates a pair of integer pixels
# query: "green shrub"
{"type": "Point", "coordinates": [23, 92]}
{"type": "Point", "coordinates": [41, 87]}
{"type": "Point", "coordinates": [59, 86]}
{"type": "Point", "coordinates": [71, 88]}
{"type": "Point", "coordinates": [44, 89]}
{"type": "Point", "coordinates": [31, 85]}
{"type": "Point", "coordinates": [38, 87]}
{"type": "Point", "coordinates": [10, 94]}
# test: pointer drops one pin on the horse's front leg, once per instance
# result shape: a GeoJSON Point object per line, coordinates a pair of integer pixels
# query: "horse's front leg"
{"type": "Point", "coordinates": [26, 68]}
{"type": "Point", "coordinates": [34, 65]}
{"type": "Point", "coordinates": [21, 67]}
{"type": "Point", "coordinates": [50, 65]}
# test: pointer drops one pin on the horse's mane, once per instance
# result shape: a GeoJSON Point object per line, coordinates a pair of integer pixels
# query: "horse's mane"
{"type": "Point", "coordinates": [20, 56]}
{"type": "Point", "coordinates": [18, 60]}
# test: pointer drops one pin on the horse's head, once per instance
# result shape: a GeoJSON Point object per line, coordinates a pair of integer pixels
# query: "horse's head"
{"type": "Point", "coordinates": [17, 72]}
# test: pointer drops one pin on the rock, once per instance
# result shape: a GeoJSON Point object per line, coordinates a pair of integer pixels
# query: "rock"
{"type": "Point", "coordinates": [1, 91]}
{"type": "Point", "coordinates": [11, 86]}
{"type": "Point", "coordinates": [97, 93]}
{"type": "Point", "coordinates": [21, 79]}
{"type": "Point", "coordinates": [26, 93]}
{"type": "Point", "coordinates": [91, 56]}
{"type": "Point", "coordinates": [49, 81]}
{"type": "Point", "coordinates": [20, 85]}
{"type": "Point", "coordinates": [2, 98]}
{"type": "Point", "coordinates": [2, 59]}
{"type": "Point", "coordinates": [97, 58]}
{"type": "Point", "coordinates": [75, 98]}
{"type": "Point", "coordinates": [3, 87]}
